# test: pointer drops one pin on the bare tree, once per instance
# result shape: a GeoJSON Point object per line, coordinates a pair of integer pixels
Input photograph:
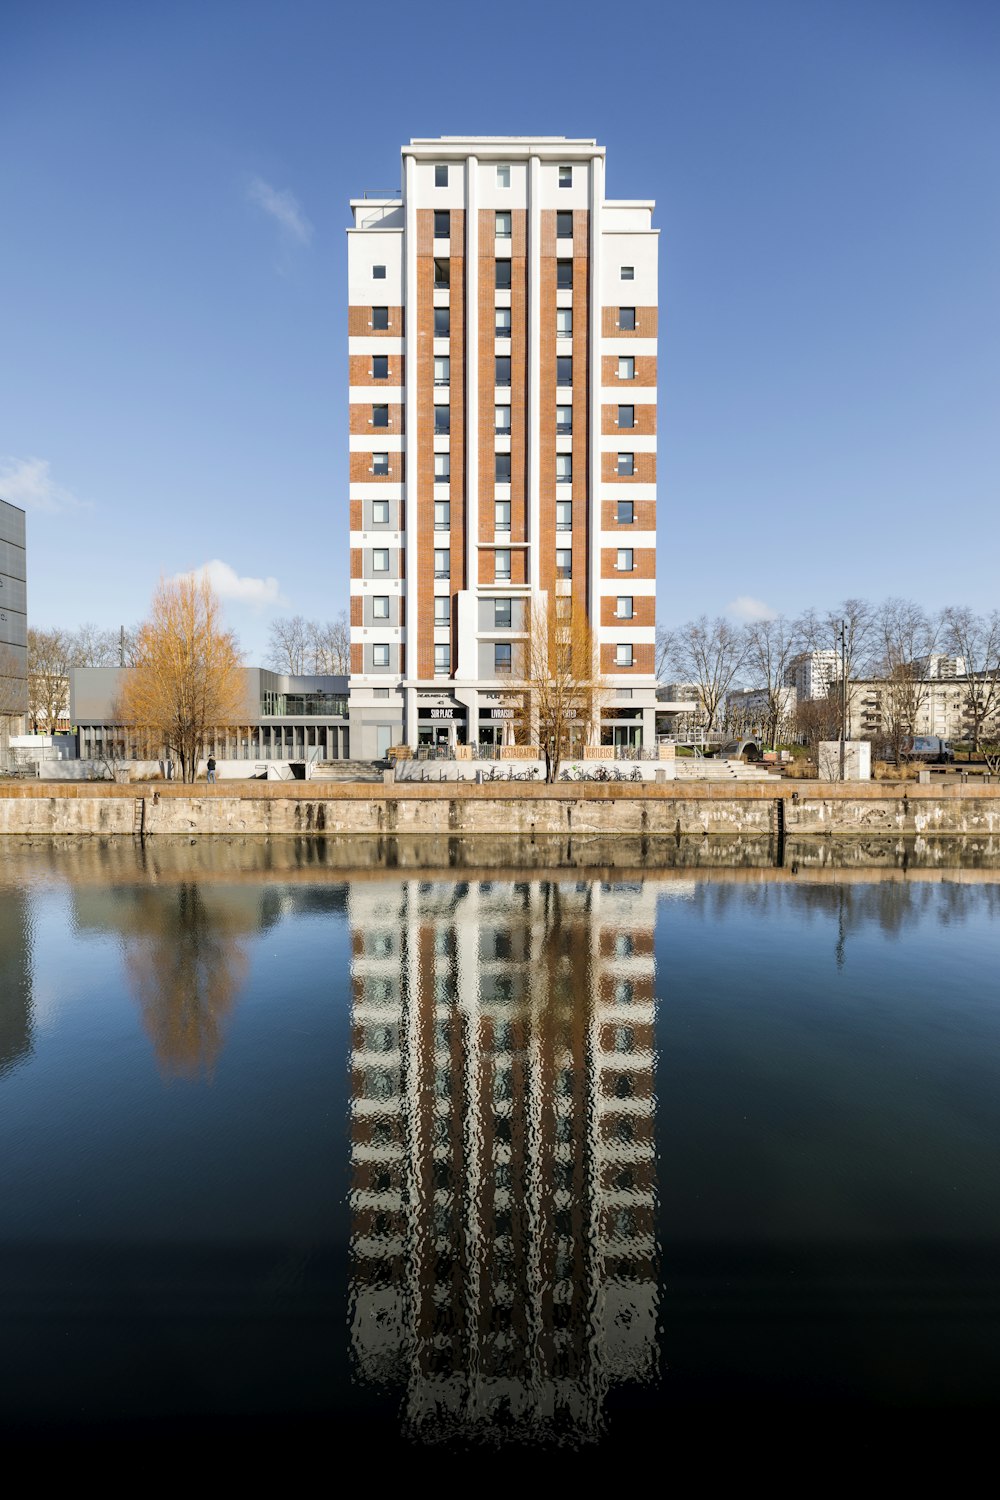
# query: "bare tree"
{"type": "Point", "coordinates": [288, 645]}
{"type": "Point", "coordinates": [907, 635]}
{"type": "Point", "coordinates": [188, 679]}
{"type": "Point", "coordinates": [90, 646]}
{"type": "Point", "coordinates": [770, 646]}
{"type": "Point", "coordinates": [821, 631]}
{"type": "Point", "coordinates": [708, 653]}
{"type": "Point", "coordinates": [50, 656]}
{"type": "Point", "coordinates": [664, 651]}
{"type": "Point", "coordinates": [561, 674]}
{"type": "Point", "coordinates": [977, 639]}
{"type": "Point", "coordinates": [330, 646]}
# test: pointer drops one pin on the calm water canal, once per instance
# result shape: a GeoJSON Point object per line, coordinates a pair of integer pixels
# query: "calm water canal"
{"type": "Point", "coordinates": [491, 1155]}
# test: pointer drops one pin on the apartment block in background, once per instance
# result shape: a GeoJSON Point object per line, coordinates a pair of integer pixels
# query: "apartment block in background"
{"type": "Point", "coordinates": [502, 342]}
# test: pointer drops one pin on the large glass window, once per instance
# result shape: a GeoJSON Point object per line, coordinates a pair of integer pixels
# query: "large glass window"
{"type": "Point", "coordinates": [501, 419]}
{"type": "Point", "coordinates": [441, 174]}
{"type": "Point", "coordinates": [626, 465]}
{"type": "Point", "coordinates": [442, 515]}
{"type": "Point", "coordinates": [380, 367]}
{"type": "Point", "coordinates": [503, 176]}
{"type": "Point", "coordinates": [566, 176]}
{"type": "Point", "coordinates": [380, 317]}
{"type": "Point", "coordinates": [624, 561]}
{"type": "Point", "coordinates": [501, 614]}
{"type": "Point", "coordinates": [442, 563]}
{"type": "Point", "coordinates": [564, 419]}
{"type": "Point", "coordinates": [564, 562]}
{"type": "Point", "coordinates": [442, 609]}
{"type": "Point", "coordinates": [380, 512]}
{"type": "Point", "coordinates": [626, 319]}
{"type": "Point", "coordinates": [442, 322]}
{"type": "Point", "coordinates": [503, 226]}
{"type": "Point", "coordinates": [623, 654]}
{"type": "Point", "coordinates": [564, 322]}
{"type": "Point", "coordinates": [501, 324]}
{"type": "Point", "coordinates": [442, 658]}
{"type": "Point", "coordinates": [626, 368]}
{"type": "Point", "coordinates": [502, 658]}
{"type": "Point", "coordinates": [502, 275]}
{"type": "Point", "coordinates": [380, 560]}
{"type": "Point", "coordinates": [624, 608]}
{"type": "Point", "coordinates": [442, 224]}
{"type": "Point", "coordinates": [564, 275]}
{"type": "Point", "coordinates": [380, 464]}
{"type": "Point", "coordinates": [502, 564]}
{"type": "Point", "coordinates": [501, 515]}
{"type": "Point", "coordinates": [380, 606]}
{"type": "Point", "coordinates": [564, 225]}
{"type": "Point", "coordinates": [503, 369]}
{"type": "Point", "coordinates": [442, 369]}
{"type": "Point", "coordinates": [380, 655]}
{"type": "Point", "coordinates": [626, 416]}
{"type": "Point", "coordinates": [564, 515]}
{"type": "Point", "coordinates": [380, 416]}
{"type": "Point", "coordinates": [501, 468]}
{"type": "Point", "coordinates": [564, 369]}
{"type": "Point", "coordinates": [442, 467]}
{"type": "Point", "coordinates": [625, 513]}
{"type": "Point", "coordinates": [442, 420]}
{"type": "Point", "coordinates": [564, 468]}
{"type": "Point", "coordinates": [442, 273]}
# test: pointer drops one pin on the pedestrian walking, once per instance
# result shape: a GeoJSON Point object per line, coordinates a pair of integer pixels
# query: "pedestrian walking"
{"type": "Point", "coordinates": [211, 768]}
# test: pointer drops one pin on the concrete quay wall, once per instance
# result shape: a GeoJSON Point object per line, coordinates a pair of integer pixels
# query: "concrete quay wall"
{"type": "Point", "coordinates": [760, 809]}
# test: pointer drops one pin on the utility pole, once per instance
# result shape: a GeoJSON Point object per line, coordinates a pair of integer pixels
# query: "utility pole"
{"type": "Point", "coordinates": [842, 639]}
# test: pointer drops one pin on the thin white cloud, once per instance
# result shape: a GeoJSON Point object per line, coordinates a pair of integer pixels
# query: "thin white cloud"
{"type": "Point", "coordinates": [228, 584]}
{"type": "Point", "coordinates": [745, 607]}
{"type": "Point", "coordinates": [283, 207]}
{"type": "Point", "coordinates": [28, 483]}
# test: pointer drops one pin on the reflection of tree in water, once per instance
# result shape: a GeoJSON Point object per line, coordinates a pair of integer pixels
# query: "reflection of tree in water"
{"type": "Point", "coordinates": [186, 965]}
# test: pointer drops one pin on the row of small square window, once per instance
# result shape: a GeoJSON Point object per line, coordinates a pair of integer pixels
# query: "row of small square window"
{"type": "Point", "coordinates": [624, 562]}
{"type": "Point", "coordinates": [625, 421]}
{"type": "Point", "coordinates": [624, 514]}
{"type": "Point", "coordinates": [442, 168]}
{"type": "Point", "coordinates": [502, 274]}
{"type": "Point", "coordinates": [502, 610]}
{"type": "Point", "coordinates": [502, 657]}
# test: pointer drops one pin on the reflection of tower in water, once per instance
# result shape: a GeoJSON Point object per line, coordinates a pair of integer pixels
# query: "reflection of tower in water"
{"type": "Point", "coordinates": [503, 1187]}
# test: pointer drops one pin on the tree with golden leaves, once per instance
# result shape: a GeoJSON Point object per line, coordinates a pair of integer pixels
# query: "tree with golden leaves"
{"type": "Point", "coordinates": [187, 680]}
{"type": "Point", "coordinates": [561, 673]}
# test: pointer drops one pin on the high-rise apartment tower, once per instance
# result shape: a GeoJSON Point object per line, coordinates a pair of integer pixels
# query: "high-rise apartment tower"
{"type": "Point", "coordinates": [502, 338]}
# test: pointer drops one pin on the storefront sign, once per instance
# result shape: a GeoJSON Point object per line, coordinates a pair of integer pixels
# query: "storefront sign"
{"type": "Point", "coordinates": [501, 713]}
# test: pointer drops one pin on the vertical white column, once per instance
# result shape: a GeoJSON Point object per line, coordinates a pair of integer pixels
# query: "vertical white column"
{"type": "Point", "coordinates": [471, 372]}
{"type": "Point", "coordinates": [411, 436]}
{"type": "Point", "coordinates": [594, 371]}
{"type": "Point", "coordinates": [534, 367]}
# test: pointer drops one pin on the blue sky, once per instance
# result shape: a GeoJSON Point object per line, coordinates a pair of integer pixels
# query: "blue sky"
{"type": "Point", "coordinates": [174, 181]}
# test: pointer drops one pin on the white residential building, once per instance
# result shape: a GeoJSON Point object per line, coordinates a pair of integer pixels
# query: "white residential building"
{"type": "Point", "coordinates": [502, 343]}
{"type": "Point", "coordinates": [812, 673]}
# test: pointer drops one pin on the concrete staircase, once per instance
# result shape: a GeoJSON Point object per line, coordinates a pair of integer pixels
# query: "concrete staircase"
{"type": "Point", "coordinates": [714, 768]}
{"type": "Point", "coordinates": [346, 770]}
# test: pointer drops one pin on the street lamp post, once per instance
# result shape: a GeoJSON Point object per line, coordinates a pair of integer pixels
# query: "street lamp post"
{"type": "Point", "coordinates": [842, 641]}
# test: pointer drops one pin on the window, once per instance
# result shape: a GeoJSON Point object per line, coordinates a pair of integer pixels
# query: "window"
{"type": "Point", "coordinates": [564, 369]}
{"type": "Point", "coordinates": [380, 606]}
{"type": "Point", "coordinates": [378, 273]}
{"type": "Point", "coordinates": [503, 226]}
{"type": "Point", "coordinates": [501, 658]}
{"type": "Point", "coordinates": [442, 609]}
{"type": "Point", "coordinates": [501, 419]}
{"type": "Point", "coordinates": [565, 176]}
{"type": "Point", "coordinates": [564, 419]}
{"type": "Point", "coordinates": [380, 416]}
{"type": "Point", "coordinates": [625, 513]}
{"type": "Point", "coordinates": [380, 317]}
{"type": "Point", "coordinates": [442, 369]}
{"type": "Point", "coordinates": [380, 463]}
{"type": "Point", "coordinates": [564, 275]}
{"type": "Point", "coordinates": [503, 369]}
{"type": "Point", "coordinates": [442, 515]}
{"type": "Point", "coordinates": [442, 658]}
{"type": "Point", "coordinates": [502, 326]}
{"type": "Point", "coordinates": [380, 512]}
{"type": "Point", "coordinates": [380, 560]}
{"type": "Point", "coordinates": [380, 692]}
{"type": "Point", "coordinates": [503, 176]}
{"type": "Point", "coordinates": [380, 656]}
{"type": "Point", "coordinates": [626, 368]}
{"type": "Point", "coordinates": [502, 564]}
{"type": "Point", "coordinates": [501, 614]}
{"type": "Point", "coordinates": [501, 515]}
{"type": "Point", "coordinates": [442, 224]}
{"type": "Point", "coordinates": [628, 273]}
{"type": "Point", "coordinates": [502, 276]}
{"type": "Point", "coordinates": [564, 225]}
{"type": "Point", "coordinates": [564, 607]}
{"type": "Point", "coordinates": [440, 174]}
{"type": "Point", "coordinates": [623, 655]}
{"type": "Point", "coordinates": [626, 319]}
{"type": "Point", "coordinates": [626, 465]}
{"type": "Point", "coordinates": [442, 468]}
{"type": "Point", "coordinates": [380, 367]}
{"type": "Point", "coordinates": [626, 416]}
{"type": "Point", "coordinates": [564, 468]}
{"type": "Point", "coordinates": [623, 609]}
{"type": "Point", "coordinates": [564, 563]}
{"type": "Point", "coordinates": [442, 273]}
{"type": "Point", "coordinates": [442, 420]}
{"type": "Point", "coordinates": [624, 560]}
{"type": "Point", "coordinates": [501, 468]}
{"type": "Point", "coordinates": [442, 563]}
{"type": "Point", "coordinates": [564, 322]}
{"type": "Point", "coordinates": [564, 515]}
{"type": "Point", "coordinates": [442, 322]}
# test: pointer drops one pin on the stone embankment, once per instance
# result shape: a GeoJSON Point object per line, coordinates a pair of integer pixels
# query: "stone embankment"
{"type": "Point", "coordinates": [567, 810]}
